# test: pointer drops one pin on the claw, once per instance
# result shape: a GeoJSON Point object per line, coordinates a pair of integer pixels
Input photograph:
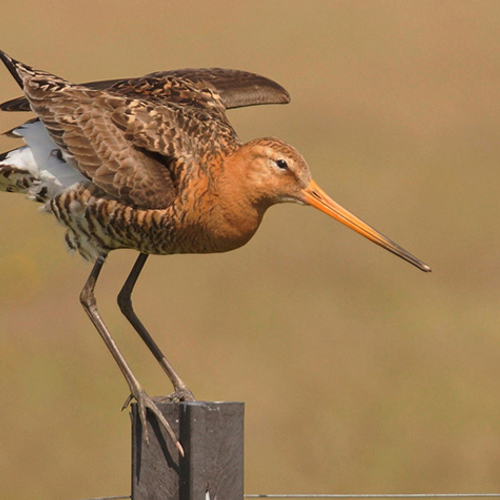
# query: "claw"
{"type": "Point", "coordinates": [127, 402]}
{"type": "Point", "coordinates": [183, 394]}
{"type": "Point", "coordinates": [178, 396]}
{"type": "Point", "coordinates": [144, 402]}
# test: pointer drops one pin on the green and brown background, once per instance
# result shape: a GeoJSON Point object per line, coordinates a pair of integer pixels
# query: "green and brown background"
{"type": "Point", "coordinates": [359, 373]}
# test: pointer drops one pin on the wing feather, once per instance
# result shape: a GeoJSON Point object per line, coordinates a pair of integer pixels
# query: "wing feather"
{"type": "Point", "coordinates": [231, 88]}
{"type": "Point", "coordinates": [135, 138]}
{"type": "Point", "coordinates": [79, 121]}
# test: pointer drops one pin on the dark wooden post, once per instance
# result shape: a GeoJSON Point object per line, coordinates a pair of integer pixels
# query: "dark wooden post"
{"type": "Point", "coordinates": [212, 437]}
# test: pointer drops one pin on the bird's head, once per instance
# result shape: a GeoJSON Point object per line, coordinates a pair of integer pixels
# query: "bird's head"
{"type": "Point", "coordinates": [270, 171]}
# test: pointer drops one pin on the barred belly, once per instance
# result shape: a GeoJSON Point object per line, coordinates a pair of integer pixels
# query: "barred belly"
{"type": "Point", "coordinates": [97, 225]}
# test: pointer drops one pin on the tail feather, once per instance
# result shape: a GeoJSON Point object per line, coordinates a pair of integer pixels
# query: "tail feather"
{"type": "Point", "coordinates": [15, 174]}
{"type": "Point", "coordinates": [37, 169]}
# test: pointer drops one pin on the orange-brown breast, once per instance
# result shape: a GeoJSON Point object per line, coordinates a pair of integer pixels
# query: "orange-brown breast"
{"type": "Point", "coordinates": [212, 212]}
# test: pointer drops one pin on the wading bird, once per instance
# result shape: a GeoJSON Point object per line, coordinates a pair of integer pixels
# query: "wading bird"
{"type": "Point", "coordinates": [152, 164]}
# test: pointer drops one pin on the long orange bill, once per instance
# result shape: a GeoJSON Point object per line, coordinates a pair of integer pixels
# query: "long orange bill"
{"type": "Point", "coordinates": [313, 195]}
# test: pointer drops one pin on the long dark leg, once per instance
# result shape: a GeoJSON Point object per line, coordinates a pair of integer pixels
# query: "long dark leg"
{"type": "Point", "coordinates": [182, 393]}
{"type": "Point", "coordinates": [87, 298]}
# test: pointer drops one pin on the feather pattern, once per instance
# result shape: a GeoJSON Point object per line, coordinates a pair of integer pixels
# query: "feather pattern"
{"type": "Point", "coordinates": [136, 149]}
{"type": "Point", "coordinates": [197, 87]}
{"type": "Point", "coordinates": [139, 162]}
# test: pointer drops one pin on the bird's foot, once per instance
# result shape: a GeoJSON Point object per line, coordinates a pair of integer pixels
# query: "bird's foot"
{"type": "Point", "coordinates": [178, 396]}
{"type": "Point", "coordinates": [145, 403]}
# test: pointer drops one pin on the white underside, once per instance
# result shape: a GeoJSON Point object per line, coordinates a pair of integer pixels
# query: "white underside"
{"type": "Point", "coordinates": [44, 161]}
{"type": "Point", "coordinates": [42, 171]}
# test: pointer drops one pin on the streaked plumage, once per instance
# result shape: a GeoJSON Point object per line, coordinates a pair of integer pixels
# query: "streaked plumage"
{"type": "Point", "coordinates": [153, 164]}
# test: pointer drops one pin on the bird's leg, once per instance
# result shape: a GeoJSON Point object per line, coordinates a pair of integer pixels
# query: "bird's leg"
{"type": "Point", "coordinates": [181, 391]}
{"type": "Point", "coordinates": [144, 402]}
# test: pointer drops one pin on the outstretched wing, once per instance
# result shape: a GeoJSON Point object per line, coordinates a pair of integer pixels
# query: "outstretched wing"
{"type": "Point", "coordinates": [134, 139]}
{"type": "Point", "coordinates": [201, 87]}
{"type": "Point", "coordinates": [79, 121]}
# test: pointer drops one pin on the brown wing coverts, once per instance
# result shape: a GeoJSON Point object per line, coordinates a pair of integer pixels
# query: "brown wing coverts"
{"type": "Point", "coordinates": [135, 138]}
{"type": "Point", "coordinates": [233, 88]}
{"type": "Point", "coordinates": [80, 122]}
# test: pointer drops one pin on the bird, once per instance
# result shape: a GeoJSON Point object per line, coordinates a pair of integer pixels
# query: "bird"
{"type": "Point", "coordinates": [153, 164]}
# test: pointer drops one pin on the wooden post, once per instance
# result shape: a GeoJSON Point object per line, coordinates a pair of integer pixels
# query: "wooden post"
{"type": "Point", "coordinates": [212, 437]}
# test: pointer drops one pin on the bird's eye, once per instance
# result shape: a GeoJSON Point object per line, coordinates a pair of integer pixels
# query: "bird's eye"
{"type": "Point", "coordinates": [282, 164]}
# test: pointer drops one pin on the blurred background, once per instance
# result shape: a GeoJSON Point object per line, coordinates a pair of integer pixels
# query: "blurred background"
{"type": "Point", "coordinates": [359, 372]}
